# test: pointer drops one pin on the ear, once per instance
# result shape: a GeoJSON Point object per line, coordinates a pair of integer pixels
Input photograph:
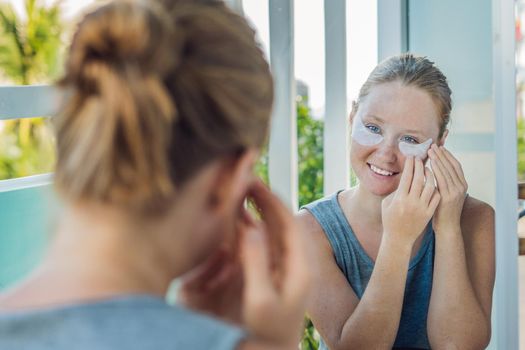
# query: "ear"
{"type": "Point", "coordinates": [234, 176]}
{"type": "Point", "coordinates": [443, 138]}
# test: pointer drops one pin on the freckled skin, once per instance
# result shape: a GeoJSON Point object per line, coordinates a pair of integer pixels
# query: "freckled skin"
{"type": "Point", "coordinates": [400, 107]}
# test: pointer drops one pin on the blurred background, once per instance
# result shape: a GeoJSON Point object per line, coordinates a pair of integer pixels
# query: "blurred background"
{"type": "Point", "coordinates": [34, 35]}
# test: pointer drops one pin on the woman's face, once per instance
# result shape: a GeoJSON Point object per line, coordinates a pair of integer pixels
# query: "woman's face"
{"type": "Point", "coordinates": [400, 114]}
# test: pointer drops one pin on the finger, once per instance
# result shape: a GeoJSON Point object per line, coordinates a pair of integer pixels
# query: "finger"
{"type": "Point", "coordinates": [279, 220]}
{"type": "Point", "coordinates": [437, 169]}
{"type": "Point", "coordinates": [434, 202]}
{"type": "Point", "coordinates": [274, 240]}
{"type": "Point", "coordinates": [275, 218]}
{"type": "Point", "coordinates": [255, 262]}
{"type": "Point", "coordinates": [406, 176]}
{"type": "Point", "coordinates": [446, 167]}
{"type": "Point", "coordinates": [269, 206]}
{"type": "Point", "coordinates": [429, 188]}
{"type": "Point", "coordinates": [456, 165]}
{"type": "Point", "coordinates": [297, 277]}
{"type": "Point", "coordinates": [418, 181]}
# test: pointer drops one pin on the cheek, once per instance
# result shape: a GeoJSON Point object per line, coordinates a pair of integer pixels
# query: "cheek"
{"type": "Point", "coordinates": [359, 152]}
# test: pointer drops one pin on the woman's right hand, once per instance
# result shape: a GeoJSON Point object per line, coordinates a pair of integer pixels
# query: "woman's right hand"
{"type": "Point", "coordinates": [276, 273]}
{"type": "Point", "coordinates": [407, 211]}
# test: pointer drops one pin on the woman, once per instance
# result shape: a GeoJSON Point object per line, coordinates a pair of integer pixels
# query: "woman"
{"type": "Point", "coordinates": [406, 258]}
{"type": "Point", "coordinates": [164, 113]}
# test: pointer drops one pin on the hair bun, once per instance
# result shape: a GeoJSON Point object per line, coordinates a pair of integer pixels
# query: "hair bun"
{"type": "Point", "coordinates": [116, 124]}
{"type": "Point", "coordinates": [124, 33]}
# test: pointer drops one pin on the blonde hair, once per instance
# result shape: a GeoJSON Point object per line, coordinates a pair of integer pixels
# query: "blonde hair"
{"type": "Point", "coordinates": [412, 70]}
{"type": "Point", "coordinates": [155, 92]}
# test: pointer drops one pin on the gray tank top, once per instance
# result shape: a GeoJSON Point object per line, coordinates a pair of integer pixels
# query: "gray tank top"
{"type": "Point", "coordinates": [357, 267]}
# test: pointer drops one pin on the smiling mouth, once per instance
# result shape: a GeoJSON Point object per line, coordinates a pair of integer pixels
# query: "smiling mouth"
{"type": "Point", "coordinates": [380, 171]}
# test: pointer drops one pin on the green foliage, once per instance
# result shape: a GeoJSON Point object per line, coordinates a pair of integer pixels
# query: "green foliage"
{"type": "Point", "coordinates": [311, 338]}
{"type": "Point", "coordinates": [31, 49]}
{"type": "Point", "coordinates": [31, 52]}
{"type": "Point", "coordinates": [26, 148]}
{"type": "Point", "coordinates": [310, 156]}
{"type": "Point", "coordinates": [521, 149]}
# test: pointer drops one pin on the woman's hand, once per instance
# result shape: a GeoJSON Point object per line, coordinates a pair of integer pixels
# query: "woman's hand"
{"type": "Point", "coordinates": [452, 187]}
{"type": "Point", "coordinates": [262, 285]}
{"type": "Point", "coordinates": [276, 273]}
{"type": "Point", "coordinates": [407, 211]}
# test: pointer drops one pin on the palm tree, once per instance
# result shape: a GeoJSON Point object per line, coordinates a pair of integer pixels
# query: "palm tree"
{"type": "Point", "coordinates": [30, 52]}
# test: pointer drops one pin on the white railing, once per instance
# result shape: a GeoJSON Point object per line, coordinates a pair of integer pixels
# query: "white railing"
{"type": "Point", "coordinates": [31, 101]}
{"type": "Point", "coordinates": [506, 299]}
{"type": "Point", "coordinates": [282, 149]}
{"type": "Point", "coordinates": [17, 102]}
{"type": "Point", "coordinates": [336, 155]}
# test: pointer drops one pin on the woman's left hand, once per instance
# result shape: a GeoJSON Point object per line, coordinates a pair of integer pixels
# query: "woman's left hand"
{"type": "Point", "coordinates": [452, 187]}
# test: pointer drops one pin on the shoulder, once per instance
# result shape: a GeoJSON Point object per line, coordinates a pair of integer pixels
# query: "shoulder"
{"type": "Point", "coordinates": [476, 213]}
{"type": "Point", "coordinates": [312, 231]}
{"type": "Point", "coordinates": [477, 221]}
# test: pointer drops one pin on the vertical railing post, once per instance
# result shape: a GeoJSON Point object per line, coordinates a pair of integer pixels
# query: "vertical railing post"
{"type": "Point", "coordinates": [505, 334]}
{"type": "Point", "coordinates": [336, 161]}
{"type": "Point", "coordinates": [282, 163]}
{"type": "Point", "coordinates": [392, 31]}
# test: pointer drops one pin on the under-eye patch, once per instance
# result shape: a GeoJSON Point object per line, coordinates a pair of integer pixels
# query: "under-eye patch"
{"type": "Point", "coordinates": [364, 136]}
{"type": "Point", "coordinates": [415, 150]}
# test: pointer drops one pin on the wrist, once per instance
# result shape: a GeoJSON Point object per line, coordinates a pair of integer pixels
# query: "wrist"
{"type": "Point", "coordinates": [396, 243]}
{"type": "Point", "coordinates": [449, 230]}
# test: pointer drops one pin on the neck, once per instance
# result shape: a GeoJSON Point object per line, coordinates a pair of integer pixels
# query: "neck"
{"type": "Point", "coordinates": [99, 251]}
{"type": "Point", "coordinates": [365, 204]}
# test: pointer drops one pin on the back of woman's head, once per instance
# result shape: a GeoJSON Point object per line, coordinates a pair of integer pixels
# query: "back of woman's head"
{"type": "Point", "coordinates": [153, 92]}
{"type": "Point", "coordinates": [416, 71]}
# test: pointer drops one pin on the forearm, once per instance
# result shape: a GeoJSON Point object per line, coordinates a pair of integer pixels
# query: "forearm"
{"type": "Point", "coordinates": [375, 321]}
{"type": "Point", "coordinates": [455, 315]}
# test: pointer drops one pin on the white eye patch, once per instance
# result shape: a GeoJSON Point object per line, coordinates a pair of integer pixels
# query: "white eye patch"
{"type": "Point", "coordinates": [365, 137]}
{"type": "Point", "coordinates": [415, 150]}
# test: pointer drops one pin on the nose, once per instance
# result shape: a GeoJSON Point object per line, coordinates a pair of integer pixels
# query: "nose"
{"type": "Point", "coordinates": [387, 151]}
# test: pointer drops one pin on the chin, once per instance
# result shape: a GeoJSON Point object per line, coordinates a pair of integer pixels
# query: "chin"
{"type": "Point", "coordinates": [381, 192]}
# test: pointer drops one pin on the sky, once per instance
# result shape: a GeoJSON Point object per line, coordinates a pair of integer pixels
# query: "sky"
{"type": "Point", "coordinates": [309, 40]}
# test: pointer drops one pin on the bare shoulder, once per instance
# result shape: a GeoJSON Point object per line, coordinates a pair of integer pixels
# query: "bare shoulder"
{"type": "Point", "coordinates": [313, 232]}
{"type": "Point", "coordinates": [476, 213]}
{"type": "Point", "coordinates": [477, 223]}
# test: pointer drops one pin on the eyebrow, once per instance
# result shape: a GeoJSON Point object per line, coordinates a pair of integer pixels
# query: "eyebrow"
{"type": "Point", "coordinates": [410, 131]}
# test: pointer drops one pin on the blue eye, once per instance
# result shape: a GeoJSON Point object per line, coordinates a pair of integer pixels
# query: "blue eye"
{"type": "Point", "coordinates": [409, 139]}
{"type": "Point", "coordinates": [374, 129]}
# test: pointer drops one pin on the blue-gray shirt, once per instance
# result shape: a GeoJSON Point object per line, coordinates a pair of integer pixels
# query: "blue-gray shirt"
{"type": "Point", "coordinates": [357, 267]}
{"type": "Point", "coordinates": [130, 322]}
